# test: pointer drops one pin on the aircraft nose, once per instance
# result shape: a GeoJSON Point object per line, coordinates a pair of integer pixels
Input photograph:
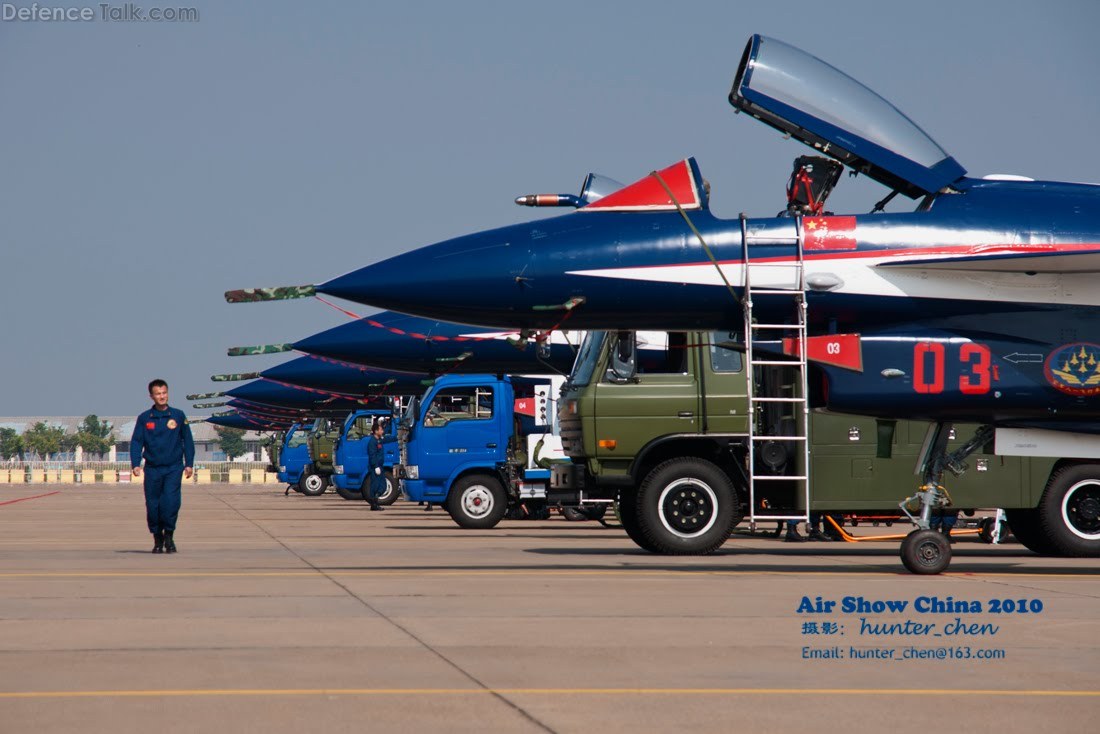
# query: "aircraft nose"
{"type": "Point", "coordinates": [351, 342]}
{"type": "Point", "coordinates": [486, 279]}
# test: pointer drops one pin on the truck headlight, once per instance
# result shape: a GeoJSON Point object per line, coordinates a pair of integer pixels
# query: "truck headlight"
{"type": "Point", "coordinates": [338, 469]}
{"type": "Point", "coordinates": [282, 469]}
{"type": "Point", "coordinates": [412, 472]}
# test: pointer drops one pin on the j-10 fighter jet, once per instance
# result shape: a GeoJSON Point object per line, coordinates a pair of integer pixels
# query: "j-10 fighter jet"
{"type": "Point", "coordinates": [981, 305]}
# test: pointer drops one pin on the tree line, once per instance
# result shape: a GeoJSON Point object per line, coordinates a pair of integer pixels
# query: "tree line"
{"type": "Point", "coordinates": [93, 435]}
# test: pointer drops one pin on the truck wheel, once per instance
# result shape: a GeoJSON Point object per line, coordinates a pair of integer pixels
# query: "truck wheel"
{"type": "Point", "coordinates": [1024, 524]}
{"type": "Point", "coordinates": [477, 502]}
{"type": "Point", "coordinates": [350, 494]}
{"type": "Point", "coordinates": [393, 490]}
{"type": "Point", "coordinates": [312, 484]}
{"type": "Point", "coordinates": [687, 507]}
{"type": "Point", "coordinates": [1069, 512]}
{"type": "Point", "coordinates": [628, 518]}
{"type": "Point", "coordinates": [925, 552]}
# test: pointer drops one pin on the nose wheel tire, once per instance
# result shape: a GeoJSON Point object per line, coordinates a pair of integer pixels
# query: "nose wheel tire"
{"type": "Point", "coordinates": [477, 502]}
{"type": "Point", "coordinates": [925, 552]}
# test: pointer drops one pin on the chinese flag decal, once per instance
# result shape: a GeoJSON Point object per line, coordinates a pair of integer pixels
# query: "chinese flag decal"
{"type": "Point", "coordinates": [839, 350]}
{"type": "Point", "coordinates": [829, 233]}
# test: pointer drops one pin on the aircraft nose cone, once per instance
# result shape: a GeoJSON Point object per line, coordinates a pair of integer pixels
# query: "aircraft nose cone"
{"type": "Point", "coordinates": [352, 342]}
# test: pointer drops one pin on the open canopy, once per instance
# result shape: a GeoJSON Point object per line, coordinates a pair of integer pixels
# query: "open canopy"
{"type": "Point", "coordinates": [826, 109]}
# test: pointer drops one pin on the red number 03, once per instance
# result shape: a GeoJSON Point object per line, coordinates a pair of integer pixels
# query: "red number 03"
{"type": "Point", "coordinates": [929, 362]}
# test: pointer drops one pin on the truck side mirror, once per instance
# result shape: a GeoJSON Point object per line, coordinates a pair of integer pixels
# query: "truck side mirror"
{"type": "Point", "coordinates": [623, 366]}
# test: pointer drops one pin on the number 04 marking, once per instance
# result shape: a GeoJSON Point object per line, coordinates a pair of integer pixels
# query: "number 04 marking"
{"type": "Point", "coordinates": [929, 360]}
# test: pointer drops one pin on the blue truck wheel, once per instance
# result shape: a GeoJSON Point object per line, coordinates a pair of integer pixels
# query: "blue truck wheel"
{"type": "Point", "coordinates": [477, 502]}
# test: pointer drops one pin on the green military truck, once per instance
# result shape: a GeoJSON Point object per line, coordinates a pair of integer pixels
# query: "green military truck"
{"type": "Point", "coordinates": [317, 474]}
{"type": "Point", "coordinates": [660, 422]}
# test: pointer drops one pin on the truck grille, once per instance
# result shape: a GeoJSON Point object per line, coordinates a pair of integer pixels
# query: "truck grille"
{"type": "Point", "coordinates": [572, 443]}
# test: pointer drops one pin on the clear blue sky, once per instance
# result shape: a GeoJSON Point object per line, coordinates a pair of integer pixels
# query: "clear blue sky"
{"type": "Point", "coordinates": [146, 168]}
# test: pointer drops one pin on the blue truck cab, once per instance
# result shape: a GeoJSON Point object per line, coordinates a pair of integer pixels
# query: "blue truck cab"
{"type": "Point", "coordinates": [466, 444]}
{"type": "Point", "coordinates": [294, 453]}
{"type": "Point", "coordinates": [351, 468]}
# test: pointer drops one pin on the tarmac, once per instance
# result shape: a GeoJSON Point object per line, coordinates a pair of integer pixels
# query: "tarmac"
{"type": "Point", "coordinates": [293, 614]}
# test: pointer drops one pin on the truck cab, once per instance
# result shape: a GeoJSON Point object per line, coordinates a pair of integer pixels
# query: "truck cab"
{"type": "Point", "coordinates": [467, 444]}
{"type": "Point", "coordinates": [351, 468]}
{"type": "Point", "coordinates": [294, 453]}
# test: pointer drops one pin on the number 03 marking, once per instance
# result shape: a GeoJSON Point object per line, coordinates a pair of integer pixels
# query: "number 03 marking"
{"type": "Point", "coordinates": [929, 360]}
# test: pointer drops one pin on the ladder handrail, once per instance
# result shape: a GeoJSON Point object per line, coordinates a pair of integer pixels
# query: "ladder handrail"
{"type": "Point", "coordinates": [799, 362]}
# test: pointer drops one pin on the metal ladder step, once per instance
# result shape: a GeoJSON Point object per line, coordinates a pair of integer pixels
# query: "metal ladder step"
{"type": "Point", "coordinates": [792, 291]}
{"type": "Point", "coordinates": [775, 362]}
{"type": "Point", "coordinates": [778, 438]}
{"type": "Point", "coordinates": [780, 517]}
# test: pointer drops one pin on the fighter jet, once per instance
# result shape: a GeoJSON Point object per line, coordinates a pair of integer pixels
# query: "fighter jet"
{"type": "Point", "coordinates": [982, 304]}
{"type": "Point", "coordinates": [393, 341]}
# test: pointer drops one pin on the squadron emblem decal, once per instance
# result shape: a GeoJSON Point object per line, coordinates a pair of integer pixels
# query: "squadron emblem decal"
{"type": "Point", "coordinates": [1074, 369]}
{"type": "Point", "coordinates": [172, 424]}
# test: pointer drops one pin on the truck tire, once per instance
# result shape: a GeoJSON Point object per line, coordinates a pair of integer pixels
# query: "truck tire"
{"type": "Point", "coordinates": [1024, 524]}
{"type": "Point", "coordinates": [1069, 511]}
{"type": "Point", "coordinates": [393, 489]}
{"type": "Point", "coordinates": [350, 494]}
{"type": "Point", "coordinates": [477, 502]}
{"type": "Point", "coordinates": [687, 506]}
{"type": "Point", "coordinates": [627, 510]}
{"type": "Point", "coordinates": [312, 484]}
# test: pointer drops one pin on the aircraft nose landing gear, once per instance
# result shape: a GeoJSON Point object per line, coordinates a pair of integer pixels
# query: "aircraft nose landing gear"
{"type": "Point", "coordinates": [926, 551]}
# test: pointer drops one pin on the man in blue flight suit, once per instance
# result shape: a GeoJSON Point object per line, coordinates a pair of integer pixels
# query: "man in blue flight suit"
{"type": "Point", "coordinates": [162, 434]}
{"type": "Point", "coordinates": [376, 459]}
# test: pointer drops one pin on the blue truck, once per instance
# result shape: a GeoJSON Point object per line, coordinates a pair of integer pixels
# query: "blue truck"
{"type": "Point", "coordinates": [294, 454]}
{"type": "Point", "coordinates": [350, 470]}
{"type": "Point", "coordinates": [481, 446]}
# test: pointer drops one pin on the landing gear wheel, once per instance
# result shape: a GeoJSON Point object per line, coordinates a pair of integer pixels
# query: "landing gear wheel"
{"type": "Point", "coordinates": [1069, 512]}
{"type": "Point", "coordinates": [1024, 524]}
{"type": "Point", "coordinates": [477, 502]}
{"type": "Point", "coordinates": [312, 484]}
{"type": "Point", "coordinates": [925, 552]}
{"type": "Point", "coordinates": [393, 490]}
{"type": "Point", "coordinates": [350, 494]}
{"type": "Point", "coordinates": [687, 507]}
{"type": "Point", "coordinates": [627, 510]}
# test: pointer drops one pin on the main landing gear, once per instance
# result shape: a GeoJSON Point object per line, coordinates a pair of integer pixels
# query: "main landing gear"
{"type": "Point", "coordinates": [927, 551]}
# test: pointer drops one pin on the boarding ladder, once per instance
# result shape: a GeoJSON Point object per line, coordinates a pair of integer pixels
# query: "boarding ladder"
{"type": "Point", "coordinates": [795, 391]}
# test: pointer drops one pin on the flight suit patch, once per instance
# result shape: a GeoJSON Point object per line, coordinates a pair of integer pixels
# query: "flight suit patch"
{"type": "Point", "coordinates": [172, 424]}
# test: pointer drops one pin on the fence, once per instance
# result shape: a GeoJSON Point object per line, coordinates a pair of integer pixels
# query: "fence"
{"type": "Point", "coordinates": [112, 472]}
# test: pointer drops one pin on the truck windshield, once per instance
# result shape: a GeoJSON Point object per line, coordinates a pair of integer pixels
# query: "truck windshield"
{"type": "Point", "coordinates": [587, 358]}
{"type": "Point", "coordinates": [297, 438]}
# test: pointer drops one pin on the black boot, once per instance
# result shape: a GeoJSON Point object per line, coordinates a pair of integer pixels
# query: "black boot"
{"type": "Point", "coordinates": [793, 536]}
{"type": "Point", "coordinates": [158, 542]}
{"type": "Point", "coordinates": [428, 508]}
{"type": "Point", "coordinates": [374, 506]}
{"type": "Point", "coordinates": [169, 544]}
{"type": "Point", "coordinates": [817, 535]}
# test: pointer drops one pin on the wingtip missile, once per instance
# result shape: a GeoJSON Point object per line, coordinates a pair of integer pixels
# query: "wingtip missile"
{"type": "Point", "coordinates": [200, 406]}
{"type": "Point", "coordinates": [282, 293]}
{"type": "Point", "coordinates": [259, 349]}
{"type": "Point", "coordinates": [235, 377]}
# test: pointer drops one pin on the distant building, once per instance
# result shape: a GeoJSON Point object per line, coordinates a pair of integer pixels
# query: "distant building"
{"type": "Point", "coordinates": [206, 446]}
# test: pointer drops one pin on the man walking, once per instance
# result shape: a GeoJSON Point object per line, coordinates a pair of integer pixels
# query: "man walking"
{"type": "Point", "coordinates": [163, 436]}
{"type": "Point", "coordinates": [376, 459]}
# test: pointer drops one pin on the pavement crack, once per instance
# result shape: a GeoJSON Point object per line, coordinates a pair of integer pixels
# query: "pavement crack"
{"type": "Point", "coordinates": [404, 630]}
